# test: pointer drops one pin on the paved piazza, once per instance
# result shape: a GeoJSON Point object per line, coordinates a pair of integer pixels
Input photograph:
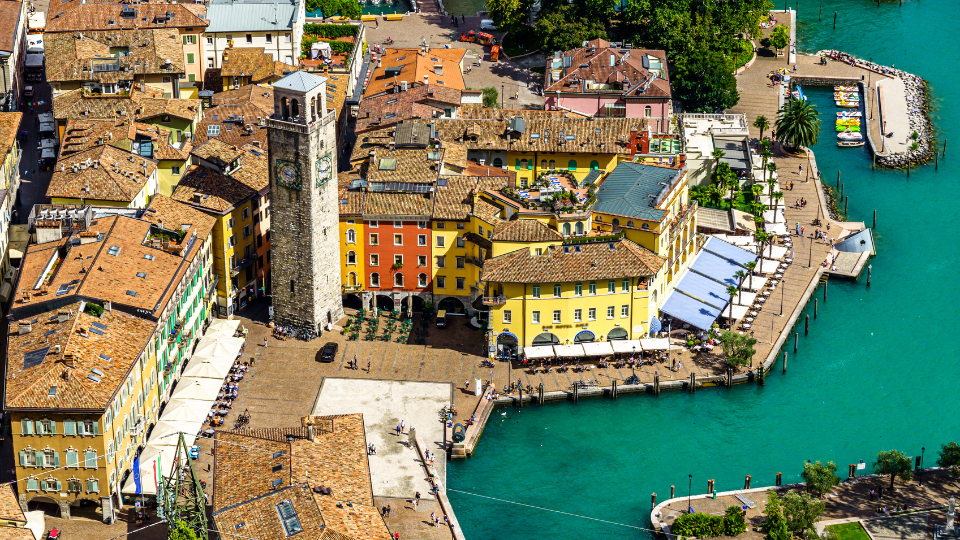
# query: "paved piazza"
{"type": "Point", "coordinates": [396, 469]}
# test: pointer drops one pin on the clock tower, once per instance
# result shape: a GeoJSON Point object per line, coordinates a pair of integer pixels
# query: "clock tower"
{"type": "Point", "coordinates": [305, 244]}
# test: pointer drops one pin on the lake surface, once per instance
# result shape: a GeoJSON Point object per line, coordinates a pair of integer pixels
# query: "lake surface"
{"type": "Point", "coordinates": [878, 370]}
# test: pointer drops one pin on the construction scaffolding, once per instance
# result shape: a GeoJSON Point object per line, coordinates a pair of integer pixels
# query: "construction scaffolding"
{"type": "Point", "coordinates": [181, 495]}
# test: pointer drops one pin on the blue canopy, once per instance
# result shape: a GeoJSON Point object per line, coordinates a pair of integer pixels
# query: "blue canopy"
{"type": "Point", "coordinates": [655, 325]}
{"type": "Point", "coordinates": [728, 251]}
{"type": "Point", "coordinates": [721, 270]}
{"type": "Point", "coordinates": [690, 310]}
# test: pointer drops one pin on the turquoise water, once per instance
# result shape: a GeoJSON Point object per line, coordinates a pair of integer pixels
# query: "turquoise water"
{"type": "Point", "coordinates": [878, 370]}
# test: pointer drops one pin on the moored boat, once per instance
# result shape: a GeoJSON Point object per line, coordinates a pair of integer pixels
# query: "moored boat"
{"type": "Point", "coordinates": [849, 144]}
{"type": "Point", "coordinates": [849, 136]}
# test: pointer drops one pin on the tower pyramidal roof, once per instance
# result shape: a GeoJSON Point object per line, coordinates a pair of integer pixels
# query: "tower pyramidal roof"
{"type": "Point", "coordinates": [300, 81]}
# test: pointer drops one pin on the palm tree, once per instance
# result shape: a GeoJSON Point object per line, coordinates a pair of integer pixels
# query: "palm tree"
{"type": "Point", "coordinates": [756, 190]}
{"type": "Point", "coordinates": [751, 266]}
{"type": "Point", "coordinates": [758, 220]}
{"type": "Point", "coordinates": [771, 240]}
{"type": "Point", "coordinates": [732, 291]}
{"type": "Point", "coordinates": [717, 154]}
{"type": "Point", "coordinates": [740, 275]}
{"type": "Point", "coordinates": [761, 238]}
{"type": "Point", "coordinates": [766, 154]}
{"type": "Point", "coordinates": [771, 183]}
{"type": "Point", "coordinates": [772, 167]}
{"type": "Point", "coordinates": [777, 197]}
{"type": "Point", "coordinates": [762, 124]}
{"type": "Point", "coordinates": [798, 124]}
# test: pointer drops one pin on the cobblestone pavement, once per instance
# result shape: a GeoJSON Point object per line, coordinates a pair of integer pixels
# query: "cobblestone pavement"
{"type": "Point", "coordinates": [508, 78]}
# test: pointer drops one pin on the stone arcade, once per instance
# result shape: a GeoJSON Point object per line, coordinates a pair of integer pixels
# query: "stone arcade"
{"type": "Point", "coordinates": [303, 191]}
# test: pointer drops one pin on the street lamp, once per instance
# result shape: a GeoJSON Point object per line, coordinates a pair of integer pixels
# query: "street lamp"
{"type": "Point", "coordinates": [502, 86]}
{"type": "Point", "coordinates": [783, 285]}
{"type": "Point", "coordinates": [689, 491]}
{"type": "Point", "coordinates": [923, 450]}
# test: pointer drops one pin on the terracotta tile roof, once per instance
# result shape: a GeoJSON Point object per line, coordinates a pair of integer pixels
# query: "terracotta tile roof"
{"type": "Point", "coordinates": [32, 378]}
{"type": "Point", "coordinates": [88, 16]}
{"type": "Point", "coordinates": [397, 204]}
{"type": "Point", "coordinates": [254, 94]}
{"type": "Point", "coordinates": [110, 175]}
{"type": "Point", "coordinates": [627, 75]}
{"type": "Point", "coordinates": [525, 230]}
{"type": "Point", "coordinates": [413, 65]}
{"type": "Point", "coordinates": [16, 533]}
{"type": "Point", "coordinates": [423, 102]}
{"type": "Point", "coordinates": [246, 471]}
{"type": "Point", "coordinates": [186, 109]}
{"type": "Point", "coordinates": [403, 165]}
{"type": "Point", "coordinates": [253, 62]}
{"type": "Point", "coordinates": [74, 104]}
{"type": "Point", "coordinates": [210, 189]}
{"type": "Point", "coordinates": [454, 201]}
{"type": "Point", "coordinates": [71, 58]}
{"type": "Point", "coordinates": [92, 269]}
{"type": "Point", "coordinates": [562, 264]}
{"type": "Point", "coordinates": [487, 211]}
{"type": "Point", "coordinates": [174, 215]}
{"type": "Point", "coordinates": [83, 134]}
{"type": "Point", "coordinates": [218, 152]}
{"type": "Point", "coordinates": [10, 20]}
{"type": "Point", "coordinates": [565, 135]}
{"type": "Point", "coordinates": [9, 507]}
{"type": "Point", "coordinates": [336, 94]}
{"type": "Point", "coordinates": [234, 133]}
{"type": "Point", "coordinates": [9, 126]}
{"type": "Point", "coordinates": [351, 202]}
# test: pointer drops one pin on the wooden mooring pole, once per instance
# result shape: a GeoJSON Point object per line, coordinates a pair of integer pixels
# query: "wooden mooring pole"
{"type": "Point", "coordinates": [693, 382]}
{"type": "Point", "coordinates": [944, 148]}
{"type": "Point", "coordinates": [673, 491]}
{"type": "Point", "coordinates": [784, 362]}
{"type": "Point", "coordinates": [806, 325]}
{"type": "Point", "coordinates": [838, 179]}
{"type": "Point", "coordinates": [825, 283]}
{"type": "Point", "coordinates": [874, 219]}
{"type": "Point", "coordinates": [815, 302]}
{"type": "Point", "coordinates": [796, 338]}
{"type": "Point", "coordinates": [869, 271]}
{"type": "Point", "coordinates": [613, 390]}
{"type": "Point", "coordinates": [521, 397]}
{"type": "Point", "coordinates": [834, 20]}
{"type": "Point", "coordinates": [846, 204]}
{"type": "Point", "coordinates": [653, 501]}
{"type": "Point", "coordinates": [821, 12]}
{"type": "Point", "coordinates": [842, 186]}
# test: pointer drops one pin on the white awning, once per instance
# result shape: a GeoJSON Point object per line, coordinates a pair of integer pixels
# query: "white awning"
{"type": "Point", "coordinates": [154, 463]}
{"type": "Point", "coordinates": [597, 348]}
{"type": "Point", "coordinates": [746, 298]}
{"type": "Point", "coordinates": [533, 353]}
{"type": "Point", "coordinates": [755, 285]}
{"type": "Point", "coordinates": [222, 328]}
{"type": "Point", "coordinates": [205, 370]}
{"type": "Point", "coordinates": [195, 388]}
{"type": "Point", "coordinates": [169, 430]}
{"type": "Point", "coordinates": [568, 351]}
{"type": "Point", "coordinates": [776, 228]}
{"type": "Point", "coordinates": [769, 266]}
{"type": "Point", "coordinates": [657, 344]}
{"type": "Point", "coordinates": [777, 252]}
{"type": "Point", "coordinates": [221, 347]}
{"type": "Point", "coordinates": [626, 346]}
{"type": "Point", "coordinates": [190, 410]}
{"type": "Point", "coordinates": [738, 311]}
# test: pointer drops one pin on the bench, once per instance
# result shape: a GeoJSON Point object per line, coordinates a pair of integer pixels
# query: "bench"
{"type": "Point", "coordinates": [747, 503]}
{"type": "Point", "coordinates": [394, 17]}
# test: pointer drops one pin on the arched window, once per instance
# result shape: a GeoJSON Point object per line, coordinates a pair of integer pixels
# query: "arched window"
{"type": "Point", "coordinates": [648, 111]}
{"type": "Point", "coordinates": [616, 224]}
{"type": "Point", "coordinates": [543, 164]}
{"type": "Point", "coordinates": [374, 279]}
{"type": "Point", "coordinates": [572, 165]}
{"type": "Point", "coordinates": [497, 162]}
{"type": "Point", "coordinates": [295, 109]}
{"type": "Point", "coordinates": [313, 109]}
{"type": "Point", "coordinates": [653, 296]}
{"type": "Point", "coordinates": [422, 280]}
{"type": "Point", "coordinates": [579, 227]}
{"type": "Point", "coordinates": [398, 280]}
{"type": "Point", "coordinates": [600, 219]}
{"type": "Point", "coordinates": [566, 229]}
{"type": "Point", "coordinates": [594, 165]}
{"type": "Point", "coordinates": [286, 109]}
{"type": "Point", "coordinates": [351, 236]}
{"type": "Point", "coordinates": [351, 257]}
{"type": "Point", "coordinates": [352, 279]}
{"type": "Point", "coordinates": [553, 164]}
{"type": "Point", "coordinates": [630, 224]}
{"type": "Point", "coordinates": [645, 226]}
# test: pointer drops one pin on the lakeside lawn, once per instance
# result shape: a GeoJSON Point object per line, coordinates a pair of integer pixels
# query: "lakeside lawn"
{"type": "Point", "coordinates": [848, 531]}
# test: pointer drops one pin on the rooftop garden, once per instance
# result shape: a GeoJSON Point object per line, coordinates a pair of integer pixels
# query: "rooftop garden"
{"type": "Point", "coordinates": [549, 195]}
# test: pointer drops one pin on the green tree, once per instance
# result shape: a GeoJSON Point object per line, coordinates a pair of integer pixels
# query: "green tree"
{"type": "Point", "coordinates": [777, 197]}
{"type": "Point", "coordinates": [760, 237]}
{"type": "Point", "coordinates": [506, 14]}
{"type": "Point", "coordinates": [733, 522]}
{"type": "Point", "coordinates": [780, 37]}
{"type": "Point", "coordinates": [762, 124]}
{"type": "Point", "coordinates": [775, 527]}
{"type": "Point", "coordinates": [949, 458]}
{"type": "Point", "coordinates": [329, 8]}
{"type": "Point", "coordinates": [820, 477]}
{"type": "Point", "coordinates": [798, 124]}
{"type": "Point", "coordinates": [725, 179]}
{"type": "Point", "coordinates": [565, 29]}
{"type": "Point", "coordinates": [896, 464]}
{"type": "Point", "coordinates": [181, 531]}
{"type": "Point", "coordinates": [767, 155]}
{"type": "Point", "coordinates": [751, 266]}
{"type": "Point", "coordinates": [698, 525]}
{"type": "Point", "coordinates": [717, 154]}
{"type": "Point", "coordinates": [733, 291]}
{"type": "Point", "coordinates": [490, 98]}
{"type": "Point", "coordinates": [737, 348]}
{"type": "Point", "coordinates": [801, 511]}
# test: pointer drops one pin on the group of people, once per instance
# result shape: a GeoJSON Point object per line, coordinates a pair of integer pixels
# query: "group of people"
{"type": "Point", "coordinates": [801, 203]}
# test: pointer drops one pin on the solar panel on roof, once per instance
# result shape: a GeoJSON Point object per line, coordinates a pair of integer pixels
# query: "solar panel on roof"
{"type": "Point", "coordinates": [34, 358]}
{"type": "Point", "coordinates": [100, 325]}
{"type": "Point", "coordinates": [97, 331]}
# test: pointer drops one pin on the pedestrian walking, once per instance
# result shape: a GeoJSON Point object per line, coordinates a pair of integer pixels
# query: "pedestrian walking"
{"type": "Point", "coordinates": [384, 512]}
{"type": "Point", "coordinates": [873, 494]}
{"type": "Point", "coordinates": [368, 366]}
{"type": "Point", "coordinates": [264, 343]}
{"type": "Point", "coordinates": [801, 170]}
{"type": "Point", "coordinates": [403, 424]}
{"type": "Point", "coordinates": [433, 516]}
{"type": "Point", "coordinates": [446, 520]}
{"type": "Point", "coordinates": [398, 430]}
{"type": "Point", "coordinates": [436, 522]}
{"type": "Point", "coordinates": [389, 509]}
{"type": "Point", "coordinates": [466, 385]}
{"type": "Point", "coordinates": [416, 505]}
{"type": "Point", "coordinates": [801, 231]}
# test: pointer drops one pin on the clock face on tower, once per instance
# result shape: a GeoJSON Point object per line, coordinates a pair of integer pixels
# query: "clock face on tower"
{"type": "Point", "coordinates": [324, 169]}
{"type": "Point", "coordinates": [288, 174]}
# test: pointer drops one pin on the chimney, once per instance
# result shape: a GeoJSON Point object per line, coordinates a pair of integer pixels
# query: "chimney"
{"type": "Point", "coordinates": [438, 69]}
{"type": "Point", "coordinates": [311, 434]}
{"type": "Point", "coordinates": [63, 316]}
{"type": "Point", "coordinates": [426, 80]}
{"type": "Point", "coordinates": [25, 328]}
{"type": "Point", "coordinates": [108, 306]}
{"type": "Point", "coordinates": [56, 348]}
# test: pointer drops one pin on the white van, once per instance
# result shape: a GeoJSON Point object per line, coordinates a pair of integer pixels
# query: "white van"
{"type": "Point", "coordinates": [487, 24]}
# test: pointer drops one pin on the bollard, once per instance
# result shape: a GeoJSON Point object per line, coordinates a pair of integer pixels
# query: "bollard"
{"type": "Point", "coordinates": [746, 482]}
{"type": "Point", "coordinates": [806, 325]}
{"type": "Point", "coordinates": [816, 303]}
{"type": "Point", "coordinates": [874, 219]}
{"type": "Point", "coordinates": [796, 337]}
{"type": "Point", "coordinates": [852, 472]}
{"type": "Point", "coordinates": [653, 501]}
{"type": "Point", "coordinates": [673, 491]}
{"type": "Point", "coordinates": [784, 362]}
{"type": "Point", "coordinates": [779, 479]}
{"type": "Point", "coordinates": [710, 486]}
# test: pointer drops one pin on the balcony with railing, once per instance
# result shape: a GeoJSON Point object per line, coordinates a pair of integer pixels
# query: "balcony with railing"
{"type": "Point", "coordinates": [475, 261]}
{"type": "Point", "coordinates": [494, 300]}
{"type": "Point", "coordinates": [247, 261]}
{"type": "Point", "coordinates": [682, 217]}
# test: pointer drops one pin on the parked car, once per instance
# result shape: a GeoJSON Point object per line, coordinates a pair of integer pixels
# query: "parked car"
{"type": "Point", "coordinates": [329, 352]}
{"type": "Point", "coordinates": [487, 24]}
